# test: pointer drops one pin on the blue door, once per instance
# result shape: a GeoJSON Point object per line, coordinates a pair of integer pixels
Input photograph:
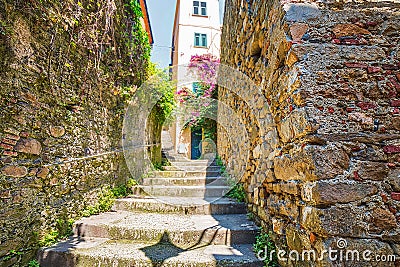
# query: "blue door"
{"type": "Point", "coordinates": [196, 136]}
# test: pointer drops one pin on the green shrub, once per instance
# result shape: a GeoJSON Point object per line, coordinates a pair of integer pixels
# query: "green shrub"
{"type": "Point", "coordinates": [33, 263]}
{"type": "Point", "coordinates": [264, 243]}
{"type": "Point", "coordinates": [237, 192]}
{"type": "Point", "coordinates": [220, 163]}
{"type": "Point", "coordinates": [131, 182]}
{"type": "Point", "coordinates": [107, 198]}
{"type": "Point", "coordinates": [49, 239]}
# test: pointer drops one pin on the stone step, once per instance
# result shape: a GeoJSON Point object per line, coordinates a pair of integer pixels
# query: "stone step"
{"type": "Point", "coordinates": [88, 252]}
{"type": "Point", "coordinates": [172, 156]}
{"type": "Point", "coordinates": [186, 191]}
{"type": "Point", "coordinates": [188, 181]}
{"type": "Point", "coordinates": [194, 163]}
{"type": "Point", "coordinates": [174, 174]}
{"type": "Point", "coordinates": [183, 230]}
{"type": "Point", "coordinates": [181, 205]}
{"type": "Point", "coordinates": [184, 162]}
{"type": "Point", "coordinates": [174, 167]}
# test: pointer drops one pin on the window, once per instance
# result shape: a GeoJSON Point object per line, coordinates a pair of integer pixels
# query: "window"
{"type": "Point", "coordinates": [200, 39]}
{"type": "Point", "coordinates": [199, 8]}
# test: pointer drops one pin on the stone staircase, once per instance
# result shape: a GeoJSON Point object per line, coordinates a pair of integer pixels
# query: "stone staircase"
{"type": "Point", "coordinates": [183, 221]}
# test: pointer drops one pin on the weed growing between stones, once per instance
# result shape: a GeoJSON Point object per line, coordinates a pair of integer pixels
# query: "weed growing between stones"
{"type": "Point", "coordinates": [159, 166]}
{"type": "Point", "coordinates": [33, 263]}
{"type": "Point", "coordinates": [264, 243]}
{"type": "Point", "coordinates": [19, 254]}
{"type": "Point", "coordinates": [11, 254]}
{"type": "Point", "coordinates": [250, 216]}
{"type": "Point", "coordinates": [220, 163]}
{"type": "Point", "coordinates": [106, 199]}
{"type": "Point", "coordinates": [237, 192]}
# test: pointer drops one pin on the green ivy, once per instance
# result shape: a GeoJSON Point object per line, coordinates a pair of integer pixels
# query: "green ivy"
{"type": "Point", "coordinates": [163, 87]}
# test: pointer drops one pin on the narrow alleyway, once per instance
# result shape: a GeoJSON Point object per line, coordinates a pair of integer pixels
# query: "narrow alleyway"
{"type": "Point", "coordinates": [186, 222]}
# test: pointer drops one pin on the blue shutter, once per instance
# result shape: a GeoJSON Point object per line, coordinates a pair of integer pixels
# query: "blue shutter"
{"type": "Point", "coordinates": [203, 8]}
{"type": "Point", "coordinates": [204, 40]}
{"type": "Point", "coordinates": [196, 7]}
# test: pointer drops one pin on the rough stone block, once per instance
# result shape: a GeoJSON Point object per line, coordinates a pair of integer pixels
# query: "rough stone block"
{"type": "Point", "coordinates": [57, 131]}
{"type": "Point", "coordinates": [14, 171]}
{"type": "Point", "coordinates": [314, 163]}
{"type": "Point", "coordinates": [348, 220]}
{"type": "Point", "coordinates": [374, 171]}
{"type": "Point", "coordinates": [335, 221]}
{"type": "Point", "coordinates": [333, 192]}
{"type": "Point", "coordinates": [297, 30]}
{"type": "Point", "coordinates": [297, 239]}
{"type": "Point", "coordinates": [294, 126]}
{"type": "Point", "coordinates": [395, 196]}
{"type": "Point", "coordinates": [291, 187]}
{"type": "Point", "coordinates": [29, 146]}
{"type": "Point", "coordinates": [282, 206]}
{"type": "Point", "coordinates": [346, 29]}
{"type": "Point", "coordinates": [301, 12]}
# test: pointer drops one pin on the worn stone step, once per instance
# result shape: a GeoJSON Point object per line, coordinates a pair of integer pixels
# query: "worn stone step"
{"type": "Point", "coordinates": [183, 230]}
{"type": "Point", "coordinates": [90, 252]}
{"type": "Point", "coordinates": [186, 191]}
{"type": "Point", "coordinates": [173, 157]}
{"type": "Point", "coordinates": [191, 168]}
{"type": "Point", "coordinates": [196, 181]}
{"type": "Point", "coordinates": [181, 205]}
{"type": "Point", "coordinates": [194, 163]}
{"type": "Point", "coordinates": [184, 174]}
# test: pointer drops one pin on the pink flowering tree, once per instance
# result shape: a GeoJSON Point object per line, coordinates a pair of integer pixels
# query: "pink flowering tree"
{"type": "Point", "coordinates": [204, 68]}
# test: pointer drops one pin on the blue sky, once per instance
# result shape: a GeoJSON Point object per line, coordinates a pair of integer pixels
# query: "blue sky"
{"type": "Point", "coordinates": [161, 13]}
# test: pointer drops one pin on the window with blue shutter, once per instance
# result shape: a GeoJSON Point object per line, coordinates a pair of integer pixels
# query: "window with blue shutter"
{"type": "Point", "coordinates": [203, 7]}
{"type": "Point", "coordinates": [199, 8]}
{"type": "Point", "coordinates": [200, 39]}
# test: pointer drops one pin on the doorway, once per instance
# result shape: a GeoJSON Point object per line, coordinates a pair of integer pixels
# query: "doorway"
{"type": "Point", "coordinates": [196, 137]}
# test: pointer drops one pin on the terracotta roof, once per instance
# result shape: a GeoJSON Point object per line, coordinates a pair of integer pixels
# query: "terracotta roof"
{"type": "Point", "coordinates": [146, 19]}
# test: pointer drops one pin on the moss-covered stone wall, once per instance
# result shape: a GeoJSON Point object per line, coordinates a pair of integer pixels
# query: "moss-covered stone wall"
{"type": "Point", "coordinates": [63, 68]}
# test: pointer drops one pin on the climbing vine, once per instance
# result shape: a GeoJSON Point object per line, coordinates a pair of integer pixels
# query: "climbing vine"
{"type": "Point", "coordinates": [162, 86]}
{"type": "Point", "coordinates": [200, 101]}
{"type": "Point", "coordinates": [107, 48]}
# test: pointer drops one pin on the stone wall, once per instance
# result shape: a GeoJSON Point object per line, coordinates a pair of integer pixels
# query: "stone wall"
{"type": "Point", "coordinates": [330, 76]}
{"type": "Point", "coordinates": [63, 65]}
